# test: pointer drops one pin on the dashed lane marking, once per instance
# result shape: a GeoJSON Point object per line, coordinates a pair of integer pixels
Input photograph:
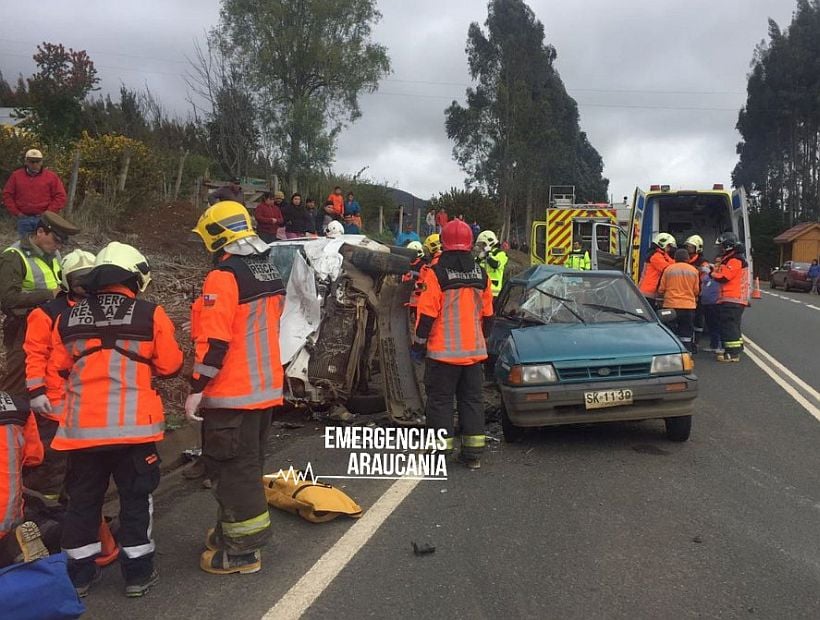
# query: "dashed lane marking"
{"type": "Point", "coordinates": [791, 299]}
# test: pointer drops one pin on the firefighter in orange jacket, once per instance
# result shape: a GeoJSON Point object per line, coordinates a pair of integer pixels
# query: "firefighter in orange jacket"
{"type": "Point", "coordinates": [680, 287]}
{"type": "Point", "coordinates": [660, 257]}
{"type": "Point", "coordinates": [109, 347]}
{"type": "Point", "coordinates": [237, 382]}
{"type": "Point", "coordinates": [732, 273]}
{"type": "Point", "coordinates": [47, 392]}
{"type": "Point", "coordinates": [19, 446]}
{"type": "Point", "coordinates": [456, 299]}
{"type": "Point", "coordinates": [432, 247]}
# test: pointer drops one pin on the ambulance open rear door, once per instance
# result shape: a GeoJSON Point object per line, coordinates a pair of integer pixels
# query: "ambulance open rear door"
{"type": "Point", "coordinates": [635, 235]}
{"type": "Point", "coordinates": [740, 224]}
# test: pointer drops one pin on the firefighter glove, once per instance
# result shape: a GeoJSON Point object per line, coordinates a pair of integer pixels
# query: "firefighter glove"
{"type": "Point", "coordinates": [191, 406]}
{"type": "Point", "coordinates": [41, 404]}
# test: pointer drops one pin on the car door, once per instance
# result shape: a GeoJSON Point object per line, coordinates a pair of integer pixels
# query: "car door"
{"type": "Point", "coordinates": [610, 248]}
{"type": "Point", "coordinates": [633, 262]}
{"type": "Point", "coordinates": [538, 243]}
{"type": "Point", "coordinates": [740, 223]}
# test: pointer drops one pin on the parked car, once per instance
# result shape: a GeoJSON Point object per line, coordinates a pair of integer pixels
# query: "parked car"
{"type": "Point", "coordinates": [581, 347]}
{"type": "Point", "coordinates": [791, 275]}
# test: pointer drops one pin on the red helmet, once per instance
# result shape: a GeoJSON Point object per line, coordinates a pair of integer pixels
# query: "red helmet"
{"type": "Point", "coordinates": [457, 235]}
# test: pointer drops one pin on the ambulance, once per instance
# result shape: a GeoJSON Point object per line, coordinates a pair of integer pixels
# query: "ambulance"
{"type": "Point", "coordinates": [681, 213]}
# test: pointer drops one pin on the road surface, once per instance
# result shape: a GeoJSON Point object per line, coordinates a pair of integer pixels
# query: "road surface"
{"type": "Point", "coordinates": [603, 522]}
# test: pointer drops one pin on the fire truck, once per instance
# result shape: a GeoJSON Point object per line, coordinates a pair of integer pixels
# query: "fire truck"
{"type": "Point", "coordinates": [595, 225]}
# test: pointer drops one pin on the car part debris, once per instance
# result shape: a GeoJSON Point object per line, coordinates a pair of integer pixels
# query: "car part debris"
{"type": "Point", "coordinates": [423, 549]}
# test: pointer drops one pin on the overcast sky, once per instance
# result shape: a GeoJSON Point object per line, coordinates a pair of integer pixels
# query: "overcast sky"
{"type": "Point", "coordinates": [658, 82]}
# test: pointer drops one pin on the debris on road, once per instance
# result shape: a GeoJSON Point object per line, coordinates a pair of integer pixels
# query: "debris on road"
{"type": "Point", "coordinates": [423, 549]}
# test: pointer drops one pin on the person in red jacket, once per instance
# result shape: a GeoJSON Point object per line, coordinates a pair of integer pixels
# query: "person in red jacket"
{"type": "Point", "coordinates": [732, 273]}
{"type": "Point", "coordinates": [660, 257]}
{"type": "Point", "coordinates": [268, 217]}
{"type": "Point", "coordinates": [31, 191]}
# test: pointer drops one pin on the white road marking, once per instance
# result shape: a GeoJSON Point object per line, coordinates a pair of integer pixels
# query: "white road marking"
{"type": "Point", "coordinates": [795, 301]}
{"type": "Point", "coordinates": [791, 299]}
{"type": "Point", "coordinates": [797, 380]}
{"type": "Point", "coordinates": [812, 307]}
{"type": "Point", "coordinates": [304, 592]}
{"type": "Point", "coordinates": [789, 389]}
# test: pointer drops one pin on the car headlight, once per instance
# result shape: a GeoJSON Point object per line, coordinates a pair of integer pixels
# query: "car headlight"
{"type": "Point", "coordinates": [532, 375]}
{"type": "Point", "coordinates": [676, 362]}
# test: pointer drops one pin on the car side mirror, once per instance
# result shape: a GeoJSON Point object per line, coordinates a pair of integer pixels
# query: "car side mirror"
{"type": "Point", "coordinates": [667, 315]}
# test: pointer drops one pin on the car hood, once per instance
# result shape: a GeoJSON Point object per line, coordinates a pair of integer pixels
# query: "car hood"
{"type": "Point", "coordinates": [556, 343]}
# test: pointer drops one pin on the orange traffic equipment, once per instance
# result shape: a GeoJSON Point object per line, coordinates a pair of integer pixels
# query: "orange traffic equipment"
{"type": "Point", "coordinates": [756, 289]}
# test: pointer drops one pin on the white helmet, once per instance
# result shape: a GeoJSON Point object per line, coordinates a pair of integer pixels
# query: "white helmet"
{"type": "Point", "coordinates": [77, 263]}
{"type": "Point", "coordinates": [117, 263]}
{"type": "Point", "coordinates": [417, 246]}
{"type": "Point", "coordinates": [695, 241]}
{"type": "Point", "coordinates": [334, 229]}
{"type": "Point", "coordinates": [488, 238]}
{"type": "Point", "coordinates": [664, 240]}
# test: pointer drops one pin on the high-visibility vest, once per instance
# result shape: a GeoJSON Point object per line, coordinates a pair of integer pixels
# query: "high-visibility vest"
{"type": "Point", "coordinates": [236, 330]}
{"type": "Point", "coordinates": [19, 445]}
{"type": "Point", "coordinates": [108, 347]}
{"type": "Point", "coordinates": [458, 302]}
{"type": "Point", "coordinates": [496, 274]}
{"type": "Point", "coordinates": [40, 378]}
{"type": "Point", "coordinates": [39, 274]}
{"type": "Point", "coordinates": [578, 260]}
{"type": "Point", "coordinates": [733, 275]}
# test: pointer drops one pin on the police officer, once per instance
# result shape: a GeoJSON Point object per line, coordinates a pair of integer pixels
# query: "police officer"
{"type": "Point", "coordinates": [109, 347]}
{"type": "Point", "coordinates": [236, 383]}
{"type": "Point", "coordinates": [578, 258]}
{"type": "Point", "coordinates": [449, 330]}
{"type": "Point", "coordinates": [29, 277]}
{"type": "Point", "coordinates": [732, 273]}
{"type": "Point", "coordinates": [491, 258]}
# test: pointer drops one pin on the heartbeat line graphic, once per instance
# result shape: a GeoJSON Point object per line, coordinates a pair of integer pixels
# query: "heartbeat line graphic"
{"type": "Point", "coordinates": [297, 475]}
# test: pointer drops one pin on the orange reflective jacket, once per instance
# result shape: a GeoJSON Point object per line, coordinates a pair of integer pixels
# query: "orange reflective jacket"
{"type": "Point", "coordinates": [451, 310]}
{"type": "Point", "coordinates": [680, 286]}
{"type": "Point", "coordinates": [108, 347]}
{"type": "Point", "coordinates": [652, 271]}
{"type": "Point", "coordinates": [19, 445]}
{"type": "Point", "coordinates": [733, 275]}
{"type": "Point", "coordinates": [235, 326]}
{"type": "Point", "coordinates": [37, 346]}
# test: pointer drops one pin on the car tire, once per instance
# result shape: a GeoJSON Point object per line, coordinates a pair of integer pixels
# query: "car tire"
{"type": "Point", "coordinates": [512, 433]}
{"type": "Point", "coordinates": [786, 287]}
{"type": "Point", "coordinates": [376, 263]}
{"type": "Point", "coordinates": [678, 429]}
{"type": "Point", "coordinates": [771, 283]}
{"type": "Point", "coordinates": [402, 250]}
{"type": "Point", "coordinates": [366, 404]}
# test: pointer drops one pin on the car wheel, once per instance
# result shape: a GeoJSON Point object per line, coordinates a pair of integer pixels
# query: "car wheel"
{"type": "Point", "coordinates": [786, 286]}
{"type": "Point", "coordinates": [771, 283]}
{"type": "Point", "coordinates": [678, 429]}
{"type": "Point", "coordinates": [366, 404]}
{"type": "Point", "coordinates": [376, 263]}
{"type": "Point", "coordinates": [512, 433]}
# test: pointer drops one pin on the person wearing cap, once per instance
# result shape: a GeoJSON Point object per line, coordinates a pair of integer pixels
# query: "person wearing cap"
{"type": "Point", "coordinates": [30, 276]}
{"type": "Point", "coordinates": [231, 191]}
{"type": "Point", "coordinates": [32, 190]}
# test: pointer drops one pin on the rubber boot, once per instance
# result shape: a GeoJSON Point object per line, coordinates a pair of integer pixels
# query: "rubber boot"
{"type": "Point", "coordinates": [110, 551]}
{"type": "Point", "coordinates": [223, 563]}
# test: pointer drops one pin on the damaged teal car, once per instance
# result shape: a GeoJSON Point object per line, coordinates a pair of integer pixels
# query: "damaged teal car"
{"type": "Point", "coordinates": [579, 347]}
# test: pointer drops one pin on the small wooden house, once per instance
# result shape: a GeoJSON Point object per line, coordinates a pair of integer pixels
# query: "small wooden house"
{"type": "Point", "coordinates": [800, 243]}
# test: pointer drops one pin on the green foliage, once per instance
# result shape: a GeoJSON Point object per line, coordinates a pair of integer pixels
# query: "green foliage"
{"type": "Point", "coordinates": [780, 123]}
{"type": "Point", "coordinates": [473, 205]}
{"type": "Point", "coordinates": [519, 131]}
{"type": "Point", "coordinates": [13, 145]}
{"type": "Point", "coordinates": [64, 78]}
{"type": "Point", "coordinates": [308, 61]}
{"type": "Point", "coordinates": [766, 224]}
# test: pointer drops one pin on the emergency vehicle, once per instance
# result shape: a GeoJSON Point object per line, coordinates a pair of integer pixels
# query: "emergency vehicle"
{"type": "Point", "coordinates": [681, 213]}
{"type": "Point", "coordinates": [566, 222]}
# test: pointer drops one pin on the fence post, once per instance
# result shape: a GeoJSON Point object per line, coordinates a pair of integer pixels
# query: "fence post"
{"type": "Point", "coordinates": [72, 185]}
{"type": "Point", "coordinates": [179, 174]}
{"type": "Point", "coordinates": [381, 219]}
{"type": "Point", "coordinates": [124, 173]}
{"type": "Point", "coordinates": [401, 220]}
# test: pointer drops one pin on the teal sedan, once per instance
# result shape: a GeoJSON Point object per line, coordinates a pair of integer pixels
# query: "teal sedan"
{"type": "Point", "coordinates": [578, 347]}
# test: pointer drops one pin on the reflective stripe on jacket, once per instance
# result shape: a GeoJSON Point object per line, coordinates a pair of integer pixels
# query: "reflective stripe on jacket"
{"type": "Point", "coordinates": [680, 286]}
{"type": "Point", "coordinates": [457, 303]}
{"type": "Point", "coordinates": [108, 347]}
{"type": "Point", "coordinates": [579, 260]}
{"type": "Point", "coordinates": [40, 379]}
{"type": "Point", "coordinates": [652, 271]}
{"type": "Point", "coordinates": [733, 275]}
{"type": "Point", "coordinates": [496, 274]}
{"type": "Point", "coordinates": [235, 326]}
{"type": "Point", "coordinates": [39, 274]}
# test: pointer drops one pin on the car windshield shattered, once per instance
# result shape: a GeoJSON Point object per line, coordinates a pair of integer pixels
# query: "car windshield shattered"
{"type": "Point", "coordinates": [583, 298]}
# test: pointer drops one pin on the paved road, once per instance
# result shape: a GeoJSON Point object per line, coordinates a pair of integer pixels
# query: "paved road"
{"type": "Point", "coordinates": [605, 522]}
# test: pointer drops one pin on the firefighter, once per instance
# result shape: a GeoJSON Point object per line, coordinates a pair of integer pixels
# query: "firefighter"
{"type": "Point", "coordinates": [680, 287]}
{"type": "Point", "coordinates": [236, 383]}
{"type": "Point", "coordinates": [694, 246]}
{"type": "Point", "coordinates": [109, 347]}
{"type": "Point", "coordinates": [491, 258]}
{"type": "Point", "coordinates": [578, 258]}
{"type": "Point", "coordinates": [47, 393]}
{"type": "Point", "coordinates": [449, 331]}
{"type": "Point", "coordinates": [660, 257]}
{"type": "Point", "coordinates": [732, 273]}
{"type": "Point", "coordinates": [416, 264]}
{"type": "Point", "coordinates": [432, 248]}
{"type": "Point", "coordinates": [19, 446]}
{"type": "Point", "coordinates": [29, 277]}
{"type": "Point", "coordinates": [432, 245]}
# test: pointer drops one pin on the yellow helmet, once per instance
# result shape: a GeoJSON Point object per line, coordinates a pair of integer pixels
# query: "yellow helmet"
{"type": "Point", "coordinates": [117, 263]}
{"type": "Point", "coordinates": [77, 263]}
{"type": "Point", "coordinates": [223, 223]}
{"type": "Point", "coordinates": [433, 244]}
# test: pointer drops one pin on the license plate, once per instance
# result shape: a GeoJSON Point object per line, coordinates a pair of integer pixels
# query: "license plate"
{"type": "Point", "coordinates": [607, 398]}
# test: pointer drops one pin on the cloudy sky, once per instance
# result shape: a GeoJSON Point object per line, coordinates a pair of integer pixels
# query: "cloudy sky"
{"type": "Point", "coordinates": [658, 82]}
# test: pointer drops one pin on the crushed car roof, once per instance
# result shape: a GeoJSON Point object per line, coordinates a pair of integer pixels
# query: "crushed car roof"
{"type": "Point", "coordinates": [537, 274]}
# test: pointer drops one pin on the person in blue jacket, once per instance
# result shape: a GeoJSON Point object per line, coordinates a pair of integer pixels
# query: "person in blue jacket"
{"type": "Point", "coordinates": [814, 277]}
{"type": "Point", "coordinates": [408, 235]}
